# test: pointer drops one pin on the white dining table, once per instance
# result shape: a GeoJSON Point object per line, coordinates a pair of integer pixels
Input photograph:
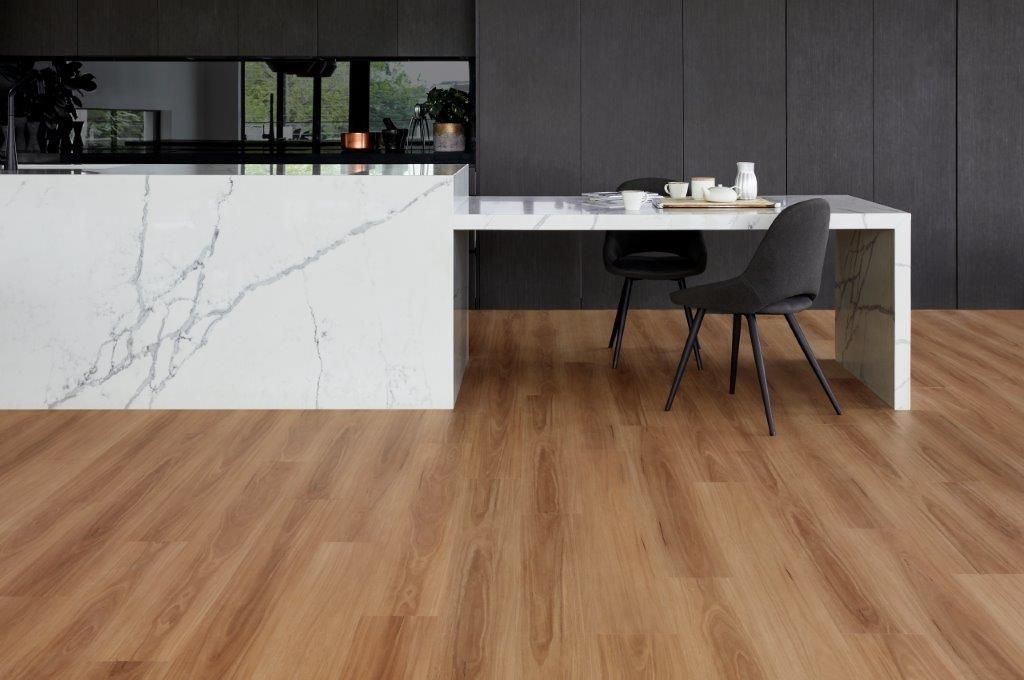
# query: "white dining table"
{"type": "Point", "coordinates": [872, 264]}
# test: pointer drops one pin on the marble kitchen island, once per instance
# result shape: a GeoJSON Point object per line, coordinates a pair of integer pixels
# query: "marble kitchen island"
{"type": "Point", "coordinates": [229, 286]}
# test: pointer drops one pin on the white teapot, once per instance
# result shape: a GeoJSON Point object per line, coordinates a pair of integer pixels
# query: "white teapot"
{"type": "Point", "coordinates": [721, 194]}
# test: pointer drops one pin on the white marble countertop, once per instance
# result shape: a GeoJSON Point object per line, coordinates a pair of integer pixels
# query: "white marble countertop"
{"type": "Point", "coordinates": [572, 213]}
{"type": "Point", "coordinates": [253, 169]}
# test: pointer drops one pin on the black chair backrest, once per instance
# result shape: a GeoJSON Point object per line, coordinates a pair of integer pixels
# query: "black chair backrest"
{"type": "Point", "coordinates": [688, 244]}
{"type": "Point", "coordinates": [789, 259]}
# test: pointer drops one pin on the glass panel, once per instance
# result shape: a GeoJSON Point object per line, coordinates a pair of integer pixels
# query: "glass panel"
{"type": "Point", "coordinates": [115, 128]}
{"type": "Point", "coordinates": [334, 105]}
{"type": "Point", "coordinates": [298, 112]}
{"type": "Point", "coordinates": [397, 86]}
{"type": "Point", "coordinates": [260, 87]}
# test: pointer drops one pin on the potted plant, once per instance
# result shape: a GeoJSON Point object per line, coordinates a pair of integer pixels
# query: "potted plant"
{"type": "Point", "coordinates": [54, 100]}
{"type": "Point", "coordinates": [452, 112]}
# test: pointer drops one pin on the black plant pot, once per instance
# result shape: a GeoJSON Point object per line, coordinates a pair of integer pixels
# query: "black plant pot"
{"type": "Point", "coordinates": [52, 139]}
{"type": "Point", "coordinates": [77, 145]}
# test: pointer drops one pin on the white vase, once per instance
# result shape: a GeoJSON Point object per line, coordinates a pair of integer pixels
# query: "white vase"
{"type": "Point", "coordinates": [746, 181]}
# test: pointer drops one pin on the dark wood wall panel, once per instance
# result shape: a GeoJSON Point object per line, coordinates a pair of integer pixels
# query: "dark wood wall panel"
{"type": "Point", "coordinates": [272, 28]}
{"type": "Point", "coordinates": [117, 27]}
{"type": "Point", "coordinates": [734, 75]}
{"type": "Point", "coordinates": [631, 104]}
{"type": "Point", "coordinates": [199, 28]}
{"type": "Point", "coordinates": [357, 28]}
{"type": "Point", "coordinates": [528, 142]}
{"type": "Point", "coordinates": [830, 104]}
{"type": "Point", "coordinates": [991, 148]}
{"type": "Point", "coordinates": [436, 28]}
{"type": "Point", "coordinates": [915, 135]}
{"type": "Point", "coordinates": [38, 28]}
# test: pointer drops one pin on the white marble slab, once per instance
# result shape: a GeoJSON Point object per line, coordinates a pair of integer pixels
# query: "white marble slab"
{"type": "Point", "coordinates": [228, 291]}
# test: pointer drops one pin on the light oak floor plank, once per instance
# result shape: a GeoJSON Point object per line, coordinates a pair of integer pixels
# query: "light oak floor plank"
{"type": "Point", "coordinates": [557, 524]}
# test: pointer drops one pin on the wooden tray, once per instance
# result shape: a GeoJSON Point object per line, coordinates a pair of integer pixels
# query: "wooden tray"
{"type": "Point", "coordinates": [684, 203]}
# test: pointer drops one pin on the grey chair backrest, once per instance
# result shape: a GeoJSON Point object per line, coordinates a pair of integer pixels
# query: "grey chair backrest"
{"type": "Point", "coordinates": [688, 244]}
{"type": "Point", "coordinates": [789, 259]}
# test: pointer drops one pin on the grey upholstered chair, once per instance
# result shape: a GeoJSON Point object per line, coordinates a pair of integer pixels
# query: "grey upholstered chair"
{"type": "Point", "coordinates": [650, 256]}
{"type": "Point", "coordinates": [783, 278]}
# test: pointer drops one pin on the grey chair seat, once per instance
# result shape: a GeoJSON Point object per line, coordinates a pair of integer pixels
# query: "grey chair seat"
{"type": "Point", "coordinates": [737, 296]}
{"type": "Point", "coordinates": [655, 266]}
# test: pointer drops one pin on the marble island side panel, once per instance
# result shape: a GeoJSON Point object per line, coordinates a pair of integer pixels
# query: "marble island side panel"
{"type": "Point", "coordinates": [164, 291]}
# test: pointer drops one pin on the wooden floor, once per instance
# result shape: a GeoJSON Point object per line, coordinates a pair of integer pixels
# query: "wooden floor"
{"type": "Point", "coordinates": [557, 524]}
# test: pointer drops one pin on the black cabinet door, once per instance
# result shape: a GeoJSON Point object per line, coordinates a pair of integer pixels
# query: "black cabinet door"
{"type": "Point", "coordinates": [830, 145]}
{"type": "Point", "coordinates": [631, 118]}
{"type": "Point", "coordinates": [915, 135]}
{"type": "Point", "coordinates": [358, 28]}
{"type": "Point", "coordinates": [118, 28]}
{"type": "Point", "coordinates": [436, 28]}
{"type": "Point", "coordinates": [528, 119]}
{"type": "Point", "coordinates": [270, 28]}
{"type": "Point", "coordinates": [990, 206]}
{"type": "Point", "coordinates": [199, 28]}
{"type": "Point", "coordinates": [38, 28]}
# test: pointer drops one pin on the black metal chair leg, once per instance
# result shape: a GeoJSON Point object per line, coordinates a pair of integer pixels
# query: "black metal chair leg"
{"type": "Point", "coordinates": [737, 327]}
{"type": "Point", "coordinates": [755, 343]}
{"type": "Point", "coordinates": [689, 324]}
{"type": "Point", "coordinates": [622, 323]}
{"type": "Point", "coordinates": [618, 315]}
{"type": "Point", "coordinates": [809, 353]}
{"type": "Point", "coordinates": [691, 341]}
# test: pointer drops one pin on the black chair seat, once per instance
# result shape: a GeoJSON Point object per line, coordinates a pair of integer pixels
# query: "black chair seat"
{"type": "Point", "coordinates": [736, 296]}
{"type": "Point", "coordinates": [655, 266]}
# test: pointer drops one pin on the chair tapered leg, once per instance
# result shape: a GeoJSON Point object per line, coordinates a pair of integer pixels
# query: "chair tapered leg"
{"type": "Point", "coordinates": [737, 327]}
{"type": "Point", "coordinates": [622, 323]}
{"type": "Point", "coordinates": [618, 314]}
{"type": "Point", "coordinates": [755, 343]}
{"type": "Point", "coordinates": [691, 341]}
{"type": "Point", "coordinates": [809, 353]}
{"type": "Point", "coordinates": [689, 324]}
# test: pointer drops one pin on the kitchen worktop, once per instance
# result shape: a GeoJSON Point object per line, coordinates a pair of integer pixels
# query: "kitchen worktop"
{"type": "Point", "coordinates": [252, 169]}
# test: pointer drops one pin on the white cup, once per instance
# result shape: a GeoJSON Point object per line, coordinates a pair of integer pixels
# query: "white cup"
{"type": "Point", "coordinates": [698, 185]}
{"type": "Point", "coordinates": [677, 189]}
{"type": "Point", "coordinates": [633, 200]}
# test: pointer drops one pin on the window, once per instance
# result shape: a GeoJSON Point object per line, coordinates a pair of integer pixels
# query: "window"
{"type": "Point", "coordinates": [356, 96]}
{"type": "Point", "coordinates": [115, 128]}
{"type": "Point", "coordinates": [396, 87]}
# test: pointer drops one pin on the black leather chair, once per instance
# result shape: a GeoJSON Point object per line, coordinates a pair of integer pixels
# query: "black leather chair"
{"type": "Point", "coordinates": [783, 278]}
{"type": "Point", "coordinates": [651, 256]}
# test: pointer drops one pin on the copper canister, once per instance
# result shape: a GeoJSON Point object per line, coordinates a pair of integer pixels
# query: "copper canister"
{"type": "Point", "coordinates": [356, 141]}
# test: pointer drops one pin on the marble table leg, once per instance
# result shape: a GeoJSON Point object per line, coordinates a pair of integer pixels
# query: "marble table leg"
{"type": "Point", "coordinates": [873, 309]}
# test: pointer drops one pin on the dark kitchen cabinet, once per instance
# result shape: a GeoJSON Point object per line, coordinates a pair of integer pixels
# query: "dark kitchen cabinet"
{"type": "Point", "coordinates": [358, 28]}
{"type": "Point", "coordinates": [38, 28]}
{"type": "Point", "coordinates": [270, 28]}
{"type": "Point", "coordinates": [436, 28]}
{"type": "Point", "coordinates": [915, 135]}
{"type": "Point", "coordinates": [118, 28]}
{"type": "Point", "coordinates": [830, 115]}
{"type": "Point", "coordinates": [990, 204]}
{"type": "Point", "coordinates": [199, 28]}
{"type": "Point", "coordinates": [528, 142]}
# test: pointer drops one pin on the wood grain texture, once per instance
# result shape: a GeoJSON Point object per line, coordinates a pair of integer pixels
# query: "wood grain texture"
{"type": "Point", "coordinates": [556, 524]}
{"type": "Point", "coordinates": [267, 28]}
{"type": "Point", "coordinates": [915, 135]}
{"type": "Point", "coordinates": [38, 29]}
{"type": "Point", "coordinates": [630, 117]}
{"type": "Point", "coordinates": [990, 80]}
{"type": "Point", "coordinates": [199, 28]}
{"type": "Point", "coordinates": [118, 28]}
{"type": "Point", "coordinates": [437, 28]}
{"type": "Point", "coordinates": [829, 94]}
{"type": "Point", "coordinates": [357, 28]}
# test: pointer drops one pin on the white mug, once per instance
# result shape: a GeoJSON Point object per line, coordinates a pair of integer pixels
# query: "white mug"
{"type": "Point", "coordinates": [677, 189]}
{"type": "Point", "coordinates": [633, 200]}
{"type": "Point", "coordinates": [698, 185]}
